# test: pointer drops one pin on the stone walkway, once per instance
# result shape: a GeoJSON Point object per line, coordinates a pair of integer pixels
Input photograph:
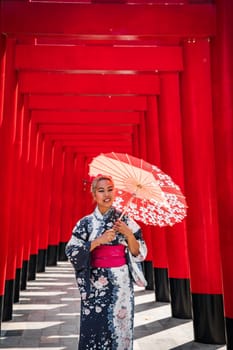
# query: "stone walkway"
{"type": "Point", "coordinates": [47, 317]}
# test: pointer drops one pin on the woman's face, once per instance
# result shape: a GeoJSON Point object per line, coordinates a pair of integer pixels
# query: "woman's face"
{"type": "Point", "coordinates": [104, 195]}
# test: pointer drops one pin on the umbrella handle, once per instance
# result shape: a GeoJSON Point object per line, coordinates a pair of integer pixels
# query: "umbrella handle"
{"type": "Point", "coordinates": [123, 213]}
{"type": "Point", "coordinates": [127, 206]}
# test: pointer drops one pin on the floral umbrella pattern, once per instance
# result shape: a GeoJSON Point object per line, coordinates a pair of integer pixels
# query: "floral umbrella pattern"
{"type": "Point", "coordinates": [142, 190]}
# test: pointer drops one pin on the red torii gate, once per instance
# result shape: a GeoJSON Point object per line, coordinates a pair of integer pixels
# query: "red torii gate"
{"type": "Point", "coordinates": [173, 48]}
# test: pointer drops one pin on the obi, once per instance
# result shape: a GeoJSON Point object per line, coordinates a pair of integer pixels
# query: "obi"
{"type": "Point", "coordinates": [108, 256]}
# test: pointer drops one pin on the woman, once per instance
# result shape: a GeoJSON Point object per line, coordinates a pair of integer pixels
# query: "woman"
{"type": "Point", "coordinates": [97, 250]}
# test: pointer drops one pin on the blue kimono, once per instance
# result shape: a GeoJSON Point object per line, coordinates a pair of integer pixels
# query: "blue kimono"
{"type": "Point", "coordinates": [107, 296]}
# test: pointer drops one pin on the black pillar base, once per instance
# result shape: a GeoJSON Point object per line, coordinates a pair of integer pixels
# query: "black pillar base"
{"type": "Point", "coordinates": [32, 267]}
{"type": "Point", "coordinates": [17, 285]}
{"type": "Point", "coordinates": [8, 300]}
{"type": "Point", "coordinates": [24, 275]}
{"type": "Point", "coordinates": [41, 262]}
{"type": "Point", "coordinates": [229, 331]}
{"type": "Point", "coordinates": [208, 318]}
{"type": "Point", "coordinates": [61, 252]}
{"type": "Point", "coordinates": [1, 309]}
{"type": "Point", "coordinates": [181, 304]}
{"type": "Point", "coordinates": [52, 253]}
{"type": "Point", "coordinates": [149, 275]}
{"type": "Point", "coordinates": [162, 292]}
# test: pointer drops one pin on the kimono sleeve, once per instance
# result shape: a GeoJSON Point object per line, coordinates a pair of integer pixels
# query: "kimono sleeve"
{"type": "Point", "coordinates": [78, 248]}
{"type": "Point", "coordinates": [138, 235]}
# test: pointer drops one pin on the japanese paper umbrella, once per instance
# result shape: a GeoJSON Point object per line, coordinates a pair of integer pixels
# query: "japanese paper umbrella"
{"type": "Point", "coordinates": [143, 191]}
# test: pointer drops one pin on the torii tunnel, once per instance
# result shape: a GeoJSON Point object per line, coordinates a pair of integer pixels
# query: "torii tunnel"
{"type": "Point", "coordinates": [152, 79]}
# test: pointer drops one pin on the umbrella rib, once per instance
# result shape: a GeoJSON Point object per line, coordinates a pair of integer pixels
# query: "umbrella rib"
{"type": "Point", "coordinates": [131, 167]}
{"type": "Point", "coordinates": [125, 164]}
{"type": "Point", "coordinates": [119, 173]}
{"type": "Point", "coordinates": [108, 169]}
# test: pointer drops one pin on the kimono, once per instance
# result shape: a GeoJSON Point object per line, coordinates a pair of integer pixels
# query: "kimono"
{"type": "Point", "coordinates": [107, 295]}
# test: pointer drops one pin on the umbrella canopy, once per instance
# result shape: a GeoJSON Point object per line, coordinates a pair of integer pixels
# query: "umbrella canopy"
{"type": "Point", "coordinates": [142, 190]}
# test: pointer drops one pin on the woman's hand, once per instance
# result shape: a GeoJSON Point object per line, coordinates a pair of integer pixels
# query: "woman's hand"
{"type": "Point", "coordinates": [107, 237]}
{"type": "Point", "coordinates": [122, 228]}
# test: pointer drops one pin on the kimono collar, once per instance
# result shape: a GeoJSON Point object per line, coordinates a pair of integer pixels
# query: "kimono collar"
{"type": "Point", "coordinates": [99, 216]}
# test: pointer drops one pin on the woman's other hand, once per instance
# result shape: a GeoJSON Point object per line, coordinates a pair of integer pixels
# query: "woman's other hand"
{"type": "Point", "coordinates": [107, 237]}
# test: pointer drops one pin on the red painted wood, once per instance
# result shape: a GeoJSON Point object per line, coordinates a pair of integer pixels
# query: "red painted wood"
{"type": "Point", "coordinates": [200, 182]}
{"type": "Point", "coordinates": [88, 138]}
{"type": "Point", "coordinates": [58, 102]}
{"type": "Point", "coordinates": [96, 145]}
{"type": "Point", "coordinates": [134, 58]}
{"type": "Point", "coordinates": [88, 203]}
{"type": "Point", "coordinates": [170, 138]}
{"type": "Point", "coordinates": [45, 198]}
{"type": "Point", "coordinates": [113, 139]}
{"type": "Point", "coordinates": [7, 153]}
{"type": "Point", "coordinates": [56, 194]}
{"type": "Point", "coordinates": [38, 213]}
{"type": "Point", "coordinates": [100, 40]}
{"type": "Point", "coordinates": [67, 196]}
{"type": "Point", "coordinates": [2, 73]}
{"type": "Point", "coordinates": [59, 83]}
{"type": "Point", "coordinates": [17, 235]}
{"type": "Point", "coordinates": [81, 187]}
{"type": "Point", "coordinates": [19, 185]}
{"type": "Point", "coordinates": [24, 227]}
{"type": "Point", "coordinates": [83, 129]}
{"type": "Point", "coordinates": [140, 150]}
{"type": "Point", "coordinates": [223, 122]}
{"type": "Point", "coordinates": [158, 238]}
{"type": "Point", "coordinates": [93, 118]}
{"type": "Point", "coordinates": [32, 187]}
{"type": "Point", "coordinates": [100, 19]}
{"type": "Point", "coordinates": [94, 151]}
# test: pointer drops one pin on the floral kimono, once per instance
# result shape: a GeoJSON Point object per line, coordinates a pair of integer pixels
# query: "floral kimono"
{"type": "Point", "coordinates": [107, 297]}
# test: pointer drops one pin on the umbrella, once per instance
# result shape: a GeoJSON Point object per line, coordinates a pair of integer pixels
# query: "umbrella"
{"type": "Point", "coordinates": [142, 190]}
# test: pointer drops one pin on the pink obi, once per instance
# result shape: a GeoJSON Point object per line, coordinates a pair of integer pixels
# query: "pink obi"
{"type": "Point", "coordinates": [108, 256]}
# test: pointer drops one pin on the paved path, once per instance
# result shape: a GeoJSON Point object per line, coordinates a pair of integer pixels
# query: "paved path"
{"type": "Point", "coordinates": [47, 317]}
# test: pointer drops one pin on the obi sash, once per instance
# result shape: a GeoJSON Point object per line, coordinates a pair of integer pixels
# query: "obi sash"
{"type": "Point", "coordinates": [108, 256]}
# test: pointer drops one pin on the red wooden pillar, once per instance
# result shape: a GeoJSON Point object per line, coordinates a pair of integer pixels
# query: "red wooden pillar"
{"type": "Point", "coordinates": [23, 224]}
{"type": "Point", "coordinates": [136, 141]}
{"type": "Point", "coordinates": [17, 185]}
{"type": "Point", "coordinates": [87, 200]}
{"type": "Point", "coordinates": [223, 121]}
{"type": "Point", "coordinates": [200, 188]}
{"type": "Point", "coordinates": [140, 145]}
{"type": "Point", "coordinates": [7, 134]}
{"type": "Point", "coordinates": [13, 272]}
{"type": "Point", "coordinates": [158, 237]}
{"type": "Point", "coordinates": [67, 196]}
{"type": "Point", "coordinates": [45, 202]}
{"type": "Point", "coordinates": [80, 188]}
{"type": "Point", "coordinates": [33, 137]}
{"type": "Point", "coordinates": [2, 73]}
{"type": "Point", "coordinates": [81, 184]}
{"type": "Point", "coordinates": [5, 238]}
{"type": "Point", "coordinates": [172, 163]}
{"type": "Point", "coordinates": [37, 202]}
{"type": "Point", "coordinates": [55, 209]}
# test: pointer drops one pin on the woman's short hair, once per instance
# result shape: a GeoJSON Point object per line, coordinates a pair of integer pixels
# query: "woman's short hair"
{"type": "Point", "coordinates": [99, 178]}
